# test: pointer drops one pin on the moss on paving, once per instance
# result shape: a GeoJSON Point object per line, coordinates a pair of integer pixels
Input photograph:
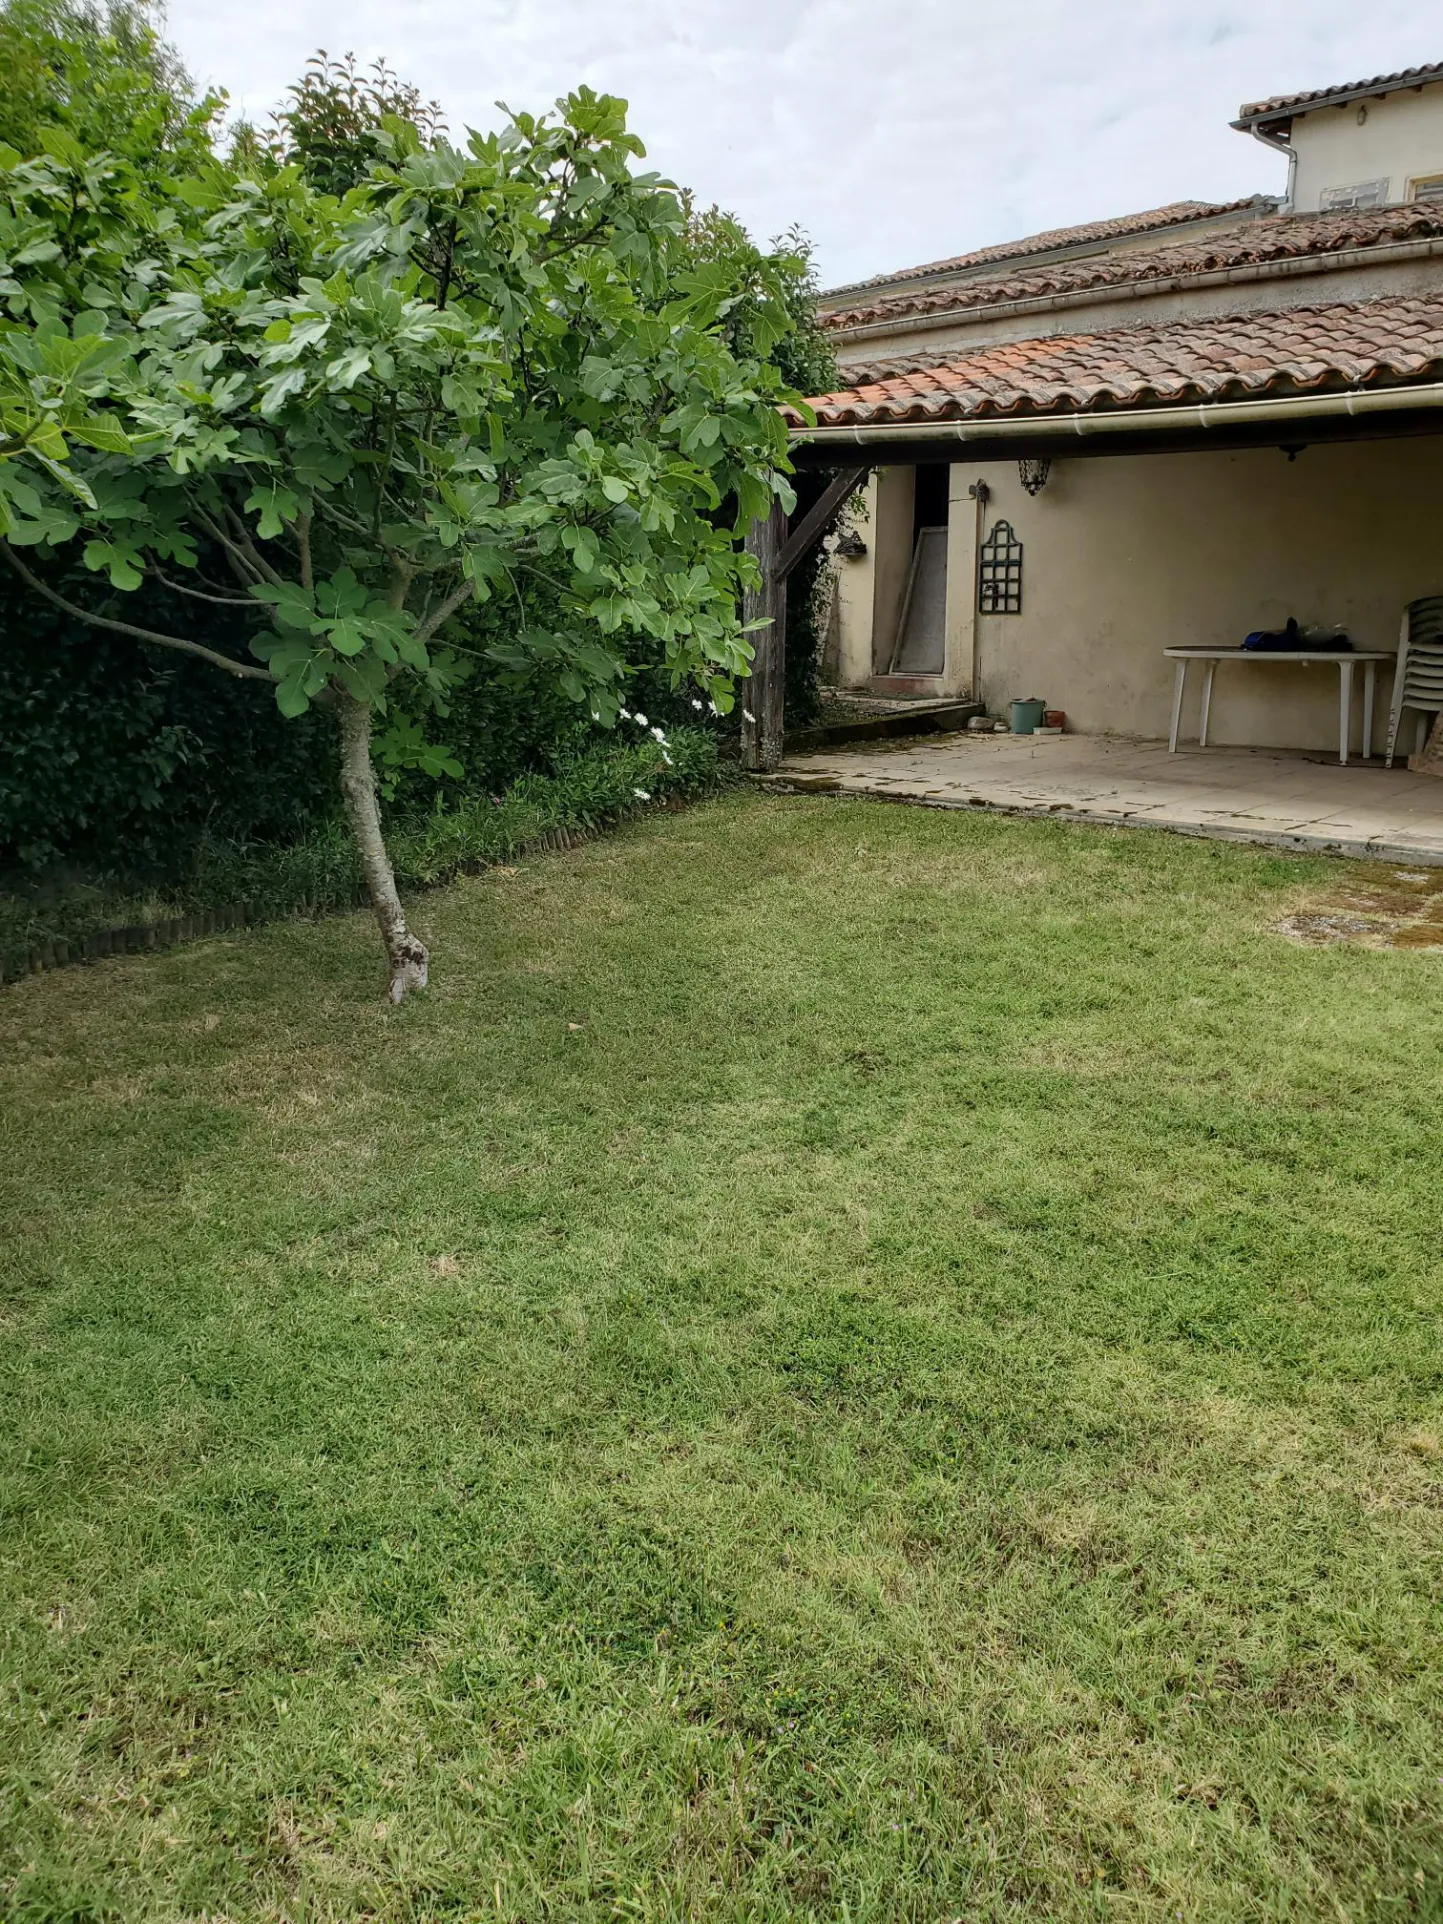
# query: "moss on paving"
{"type": "Point", "coordinates": [847, 1362]}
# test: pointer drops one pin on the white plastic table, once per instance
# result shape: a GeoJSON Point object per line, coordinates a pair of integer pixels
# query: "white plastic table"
{"type": "Point", "coordinates": [1261, 657]}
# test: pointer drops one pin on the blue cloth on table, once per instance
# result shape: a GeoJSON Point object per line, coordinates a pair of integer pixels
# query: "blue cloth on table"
{"type": "Point", "coordinates": [1291, 640]}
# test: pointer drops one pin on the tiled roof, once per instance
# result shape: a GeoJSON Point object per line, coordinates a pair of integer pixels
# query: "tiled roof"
{"type": "Point", "coordinates": [1177, 213]}
{"type": "Point", "coordinates": [1285, 351]}
{"type": "Point", "coordinates": [1281, 105]}
{"type": "Point", "coordinates": [1279, 237]}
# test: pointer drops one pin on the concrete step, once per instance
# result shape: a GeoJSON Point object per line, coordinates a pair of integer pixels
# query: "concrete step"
{"type": "Point", "coordinates": [907, 687]}
{"type": "Point", "coordinates": [908, 718]}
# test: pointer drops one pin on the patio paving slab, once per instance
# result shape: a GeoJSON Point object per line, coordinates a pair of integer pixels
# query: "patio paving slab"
{"type": "Point", "coordinates": [1234, 794]}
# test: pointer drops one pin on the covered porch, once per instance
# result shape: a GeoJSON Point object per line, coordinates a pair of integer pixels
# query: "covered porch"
{"type": "Point", "coordinates": [1304, 803]}
{"type": "Point", "coordinates": [1048, 519]}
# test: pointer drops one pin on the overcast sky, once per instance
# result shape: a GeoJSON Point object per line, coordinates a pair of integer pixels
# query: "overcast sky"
{"type": "Point", "coordinates": [893, 131]}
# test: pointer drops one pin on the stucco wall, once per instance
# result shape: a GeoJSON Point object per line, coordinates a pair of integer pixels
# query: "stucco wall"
{"type": "Point", "coordinates": [856, 589]}
{"type": "Point", "coordinates": [1129, 554]}
{"type": "Point", "coordinates": [1401, 137]}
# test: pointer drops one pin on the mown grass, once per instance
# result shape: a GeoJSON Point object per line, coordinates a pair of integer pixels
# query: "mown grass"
{"type": "Point", "coordinates": [846, 1362]}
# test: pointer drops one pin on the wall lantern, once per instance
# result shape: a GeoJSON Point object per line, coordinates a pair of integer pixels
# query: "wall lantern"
{"type": "Point", "coordinates": [851, 547]}
{"type": "Point", "coordinates": [1033, 474]}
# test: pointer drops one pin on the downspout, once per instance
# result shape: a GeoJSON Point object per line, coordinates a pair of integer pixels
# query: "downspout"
{"type": "Point", "coordinates": [1281, 144]}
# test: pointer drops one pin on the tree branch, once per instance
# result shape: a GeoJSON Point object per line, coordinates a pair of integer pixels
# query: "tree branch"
{"type": "Point", "coordinates": [547, 255]}
{"type": "Point", "coordinates": [243, 669]}
{"type": "Point", "coordinates": [331, 512]}
{"type": "Point", "coordinates": [381, 473]}
{"type": "Point", "coordinates": [303, 546]}
{"type": "Point", "coordinates": [444, 613]}
{"type": "Point", "coordinates": [242, 565]}
{"type": "Point", "coordinates": [252, 552]}
{"type": "Point", "coordinates": [220, 601]}
{"type": "Point", "coordinates": [446, 269]}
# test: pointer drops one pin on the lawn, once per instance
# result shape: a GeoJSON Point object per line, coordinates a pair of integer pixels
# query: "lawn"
{"type": "Point", "coordinates": [847, 1362]}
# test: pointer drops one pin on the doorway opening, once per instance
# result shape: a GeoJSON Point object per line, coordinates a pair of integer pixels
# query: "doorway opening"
{"type": "Point", "coordinates": [921, 647]}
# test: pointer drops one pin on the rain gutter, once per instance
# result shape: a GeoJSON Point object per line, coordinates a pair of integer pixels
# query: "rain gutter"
{"type": "Point", "coordinates": [1202, 416]}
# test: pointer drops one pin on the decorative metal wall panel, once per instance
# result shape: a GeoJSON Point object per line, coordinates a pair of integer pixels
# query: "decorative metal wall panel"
{"type": "Point", "coordinates": [999, 572]}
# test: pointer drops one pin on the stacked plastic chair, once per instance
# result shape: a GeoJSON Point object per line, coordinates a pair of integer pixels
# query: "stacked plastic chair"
{"type": "Point", "coordinates": [1418, 680]}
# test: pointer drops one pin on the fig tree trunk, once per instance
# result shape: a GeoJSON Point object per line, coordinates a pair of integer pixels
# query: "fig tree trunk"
{"type": "Point", "coordinates": [406, 958]}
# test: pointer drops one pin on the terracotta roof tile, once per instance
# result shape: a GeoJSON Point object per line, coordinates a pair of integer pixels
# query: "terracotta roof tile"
{"type": "Point", "coordinates": [1177, 213]}
{"type": "Point", "coordinates": [1278, 237]}
{"type": "Point", "coordinates": [1238, 357]}
{"type": "Point", "coordinates": [1281, 105]}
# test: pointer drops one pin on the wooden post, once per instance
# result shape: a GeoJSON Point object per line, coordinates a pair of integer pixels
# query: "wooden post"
{"type": "Point", "coordinates": [761, 694]}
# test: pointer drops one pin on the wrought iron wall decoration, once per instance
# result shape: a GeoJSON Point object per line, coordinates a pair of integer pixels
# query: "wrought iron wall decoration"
{"type": "Point", "coordinates": [1033, 472]}
{"type": "Point", "coordinates": [999, 572]}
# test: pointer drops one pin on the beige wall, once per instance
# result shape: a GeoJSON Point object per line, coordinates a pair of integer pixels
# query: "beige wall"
{"type": "Point", "coordinates": [1125, 555]}
{"type": "Point", "coordinates": [959, 670]}
{"type": "Point", "coordinates": [855, 593]}
{"type": "Point", "coordinates": [1400, 137]}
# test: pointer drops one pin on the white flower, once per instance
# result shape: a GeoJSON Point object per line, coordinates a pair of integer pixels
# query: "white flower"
{"type": "Point", "coordinates": [658, 734]}
{"type": "Point", "coordinates": [667, 759]}
{"type": "Point", "coordinates": [749, 715]}
{"type": "Point", "coordinates": [713, 707]}
{"type": "Point", "coordinates": [695, 703]}
{"type": "Point", "coordinates": [639, 719]}
{"type": "Point", "coordinates": [625, 713]}
{"type": "Point", "coordinates": [642, 794]}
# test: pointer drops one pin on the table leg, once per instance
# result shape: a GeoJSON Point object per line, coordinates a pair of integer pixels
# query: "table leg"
{"type": "Point", "coordinates": [1370, 689]}
{"type": "Point", "coordinates": [1207, 702]}
{"type": "Point", "coordinates": [1345, 707]}
{"type": "Point", "coordinates": [1178, 684]}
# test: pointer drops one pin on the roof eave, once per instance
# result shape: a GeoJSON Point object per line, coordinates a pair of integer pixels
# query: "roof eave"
{"type": "Point", "coordinates": [1376, 89]}
{"type": "Point", "coordinates": [1247, 273]}
{"type": "Point", "coordinates": [899, 284]}
{"type": "Point", "coordinates": [1089, 431]}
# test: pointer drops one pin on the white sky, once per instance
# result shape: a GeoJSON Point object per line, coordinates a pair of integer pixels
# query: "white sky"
{"type": "Point", "coordinates": [894, 131]}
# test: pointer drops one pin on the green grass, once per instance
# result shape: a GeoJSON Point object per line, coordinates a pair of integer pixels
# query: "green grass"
{"type": "Point", "coordinates": [846, 1362]}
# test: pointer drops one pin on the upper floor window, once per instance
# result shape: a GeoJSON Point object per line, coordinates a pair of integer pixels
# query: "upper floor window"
{"type": "Point", "coordinates": [1427, 187]}
{"type": "Point", "coordinates": [1362, 193]}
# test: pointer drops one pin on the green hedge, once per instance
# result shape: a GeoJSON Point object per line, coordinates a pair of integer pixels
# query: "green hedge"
{"type": "Point", "coordinates": [119, 758]}
{"type": "Point", "coordinates": [319, 872]}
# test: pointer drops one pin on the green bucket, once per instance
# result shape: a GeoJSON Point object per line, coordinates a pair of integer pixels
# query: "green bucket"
{"type": "Point", "coordinates": [1027, 715]}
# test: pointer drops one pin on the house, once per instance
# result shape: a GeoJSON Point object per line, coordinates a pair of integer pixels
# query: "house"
{"type": "Point", "coordinates": [1166, 429]}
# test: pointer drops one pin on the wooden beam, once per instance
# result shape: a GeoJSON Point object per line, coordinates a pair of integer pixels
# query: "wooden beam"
{"type": "Point", "coordinates": [761, 694]}
{"type": "Point", "coordinates": [818, 518]}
